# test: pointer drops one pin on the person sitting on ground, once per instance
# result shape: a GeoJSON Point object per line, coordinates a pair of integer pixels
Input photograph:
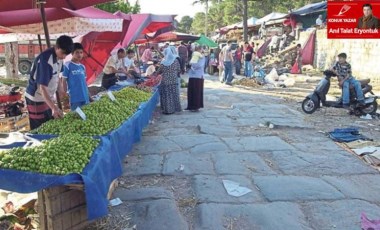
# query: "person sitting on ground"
{"type": "Point", "coordinates": [113, 66]}
{"type": "Point", "coordinates": [343, 70]}
{"type": "Point", "coordinates": [151, 68]}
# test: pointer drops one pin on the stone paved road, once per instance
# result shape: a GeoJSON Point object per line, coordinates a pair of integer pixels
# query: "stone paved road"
{"type": "Point", "coordinates": [299, 178]}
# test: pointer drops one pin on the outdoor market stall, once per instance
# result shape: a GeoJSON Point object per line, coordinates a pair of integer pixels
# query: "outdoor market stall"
{"type": "Point", "coordinates": [105, 163]}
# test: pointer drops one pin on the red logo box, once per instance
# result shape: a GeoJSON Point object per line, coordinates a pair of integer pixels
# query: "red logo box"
{"type": "Point", "coordinates": [343, 19]}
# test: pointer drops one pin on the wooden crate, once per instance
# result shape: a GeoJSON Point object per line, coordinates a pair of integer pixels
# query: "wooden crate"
{"type": "Point", "coordinates": [11, 124]}
{"type": "Point", "coordinates": [62, 208]}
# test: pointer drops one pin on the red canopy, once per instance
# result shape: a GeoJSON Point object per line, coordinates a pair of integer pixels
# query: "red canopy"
{"type": "Point", "coordinates": [10, 5]}
{"type": "Point", "coordinates": [307, 53]}
{"type": "Point", "coordinates": [13, 18]}
{"type": "Point", "coordinates": [143, 24]}
{"type": "Point", "coordinates": [169, 36]}
{"type": "Point", "coordinates": [97, 47]}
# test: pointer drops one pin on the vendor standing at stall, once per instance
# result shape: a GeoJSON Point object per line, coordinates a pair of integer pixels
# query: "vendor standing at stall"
{"type": "Point", "coordinates": [113, 66]}
{"type": "Point", "coordinates": [44, 82]}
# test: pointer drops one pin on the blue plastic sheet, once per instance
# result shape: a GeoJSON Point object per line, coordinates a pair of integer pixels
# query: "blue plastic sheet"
{"type": "Point", "coordinates": [105, 164]}
{"type": "Point", "coordinates": [103, 168]}
{"type": "Point", "coordinates": [347, 135]}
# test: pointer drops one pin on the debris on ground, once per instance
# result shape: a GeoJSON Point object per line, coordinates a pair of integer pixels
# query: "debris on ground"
{"type": "Point", "coordinates": [248, 82]}
{"type": "Point", "coordinates": [234, 188]}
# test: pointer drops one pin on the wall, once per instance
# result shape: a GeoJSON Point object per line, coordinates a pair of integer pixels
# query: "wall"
{"type": "Point", "coordinates": [363, 54]}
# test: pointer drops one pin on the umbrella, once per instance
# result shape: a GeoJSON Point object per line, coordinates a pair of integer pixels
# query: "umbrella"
{"type": "Point", "coordinates": [143, 24]}
{"type": "Point", "coordinates": [8, 5]}
{"type": "Point", "coordinates": [203, 40]}
{"type": "Point", "coordinates": [270, 17]}
{"type": "Point", "coordinates": [31, 4]}
{"type": "Point", "coordinates": [169, 36]}
{"type": "Point", "coordinates": [97, 47]}
{"type": "Point", "coordinates": [61, 20]}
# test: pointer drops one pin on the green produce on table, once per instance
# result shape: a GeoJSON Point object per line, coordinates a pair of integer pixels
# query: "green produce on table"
{"type": "Point", "coordinates": [102, 116]}
{"type": "Point", "coordinates": [66, 154]}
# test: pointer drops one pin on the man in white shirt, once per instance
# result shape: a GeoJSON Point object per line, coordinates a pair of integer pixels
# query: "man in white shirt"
{"type": "Point", "coordinates": [319, 21]}
{"type": "Point", "coordinates": [113, 66]}
{"type": "Point", "coordinates": [274, 42]}
{"type": "Point", "coordinates": [129, 64]}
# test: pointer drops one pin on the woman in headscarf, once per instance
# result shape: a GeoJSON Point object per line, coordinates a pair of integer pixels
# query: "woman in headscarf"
{"type": "Point", "coordinates": [169, 93]}
{"type": "Point", "coordinates": [196, 81]}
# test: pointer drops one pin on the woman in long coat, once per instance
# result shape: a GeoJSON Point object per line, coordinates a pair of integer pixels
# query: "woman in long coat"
{"type": "Point", "coordinates": [169, 93]}
{"type": "Point", "coordinates": [195, 86]}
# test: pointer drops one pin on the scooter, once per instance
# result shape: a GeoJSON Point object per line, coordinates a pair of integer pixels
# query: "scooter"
{"type": "Point", "coordinates": [318, 98]}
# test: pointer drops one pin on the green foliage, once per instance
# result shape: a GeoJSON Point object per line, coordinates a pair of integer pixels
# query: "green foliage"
{"type": "Point", "coordinates": [197, 27]}
{"type": "Point", "coordinates": [121, 5]}
{"type": "Point", "coordinates": [226, 12]}
{"type": "Point", "coordinates": [184, 25]}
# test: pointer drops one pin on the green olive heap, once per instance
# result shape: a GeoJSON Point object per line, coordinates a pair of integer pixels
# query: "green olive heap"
{"type": "Point", "coordinates": [102, 116]}
{"type": "Point", "coordinates": [60, 156]}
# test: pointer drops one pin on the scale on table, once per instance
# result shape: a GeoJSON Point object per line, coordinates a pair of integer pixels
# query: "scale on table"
{"type": "Point", "coordinates": [17, 139]}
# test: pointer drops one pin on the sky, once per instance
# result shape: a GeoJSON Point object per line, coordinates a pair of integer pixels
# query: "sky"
{"type": "Point", "coordinates": [177, 7]}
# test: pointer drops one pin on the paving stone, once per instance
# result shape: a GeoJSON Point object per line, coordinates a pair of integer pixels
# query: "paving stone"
{"type": "Point", "coordinates": [333, 163]}
{"type": "Point", "coordinates": [248, 121]}
{"type": "Point", "coordinates": [155, 145]}
{"type": "Point", "coordinates": [295, 188]}
{"type": "Point", "coordinates": [267, 143]}
{"type": "Point", "coordinates": [174, 131]}
{"type": "Point", "coordinates": [340, 214]}
{"type": "Point", "coordinates": [193, 164]}
{"type": "Point", "coordinates": [220, 131]}
{"type": "Point", "coordinates": [143, 165]}
{"type": "Point", "coordinates": [270, 216]}
{"type": "Point", "coordinates": [326, 146]}
{"type": "Point", "coordinates": [241, 163]}
{"type": "Point", "coordinates": [365, 187]}
{"type": "Point", "coordinates": [189, 141]}
{"type": "Point", "coordinates": [209, 148]}
{"type": "Point", "coordinates": [287, 122]}
{"type": "Point", "coordinates": [210, 188]}
{"type": "Point", "coordinates": [160, 214]}
{"type": "Point", "coordinates": [153, 193]}
{"type": "Point", "coordinates": [221, 113]}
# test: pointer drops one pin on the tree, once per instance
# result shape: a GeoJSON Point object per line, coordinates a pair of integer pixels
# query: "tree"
{"type": "Point", "coordinates": [245, 18]}
{"type": "Point", "coordinates": [121, 5]}
{"type": "Point", "coordinates": [206, 3]}
{"type": "Point", "coordinates": [185, 24]}
{"type": "Point", "coordinates": [198, 25]}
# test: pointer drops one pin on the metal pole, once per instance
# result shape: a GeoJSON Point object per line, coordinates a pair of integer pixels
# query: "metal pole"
{"type": "Point", "coordinates": [40, 42]}
{"type": "Point", "coordinates": [138, 58]}
{"type": "Point", "coordinates": [41, 5]}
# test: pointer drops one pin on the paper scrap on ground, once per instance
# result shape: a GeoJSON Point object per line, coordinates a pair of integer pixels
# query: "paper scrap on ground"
{"type": "Point", "coordinates": [367, 150]}
{"type": "Point", "coordinates": [115, 202]}
{"type": "Point", "coordinates": [234, 188]}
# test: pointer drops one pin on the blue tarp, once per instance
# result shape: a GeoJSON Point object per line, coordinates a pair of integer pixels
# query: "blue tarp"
{"type": "Point", "coordinates": [310, 8]}
{"type": "Point", "coordinates": [347, 135]}
{"type": "Point", "coordinates": [105, 164]}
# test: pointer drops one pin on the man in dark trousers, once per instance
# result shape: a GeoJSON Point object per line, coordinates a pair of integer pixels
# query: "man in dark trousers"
{"type": "Point", "coordinates": [368, 21]}
{"type": "Point", "coordinates": [44, 82]}
{"type": "Point", "coordinates": [183, 55]}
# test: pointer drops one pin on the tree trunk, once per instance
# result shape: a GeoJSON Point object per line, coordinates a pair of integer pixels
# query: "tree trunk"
{"type": "Point", "coordinates": [245, 18]}
{"type": "Point", "coordinates": [206, 18]}
{"type": "Point", "coordinates": [11, 59]}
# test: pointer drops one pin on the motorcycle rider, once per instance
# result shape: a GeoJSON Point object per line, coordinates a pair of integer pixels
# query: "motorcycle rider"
{"type": "Point", "coordinates": [343, 70]}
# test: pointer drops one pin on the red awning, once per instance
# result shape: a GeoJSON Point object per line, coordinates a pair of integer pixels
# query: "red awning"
{"type": "Point", "coordinates": [169, 36]}
{"type": "Point", "coordinates": [13, 18]}
{"type": "Point", "coordinates": [97, 47]}
{"type": "Point", "coordinates": [143, 24]}
{"type": "Point", "coordinates": [10, 5]}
